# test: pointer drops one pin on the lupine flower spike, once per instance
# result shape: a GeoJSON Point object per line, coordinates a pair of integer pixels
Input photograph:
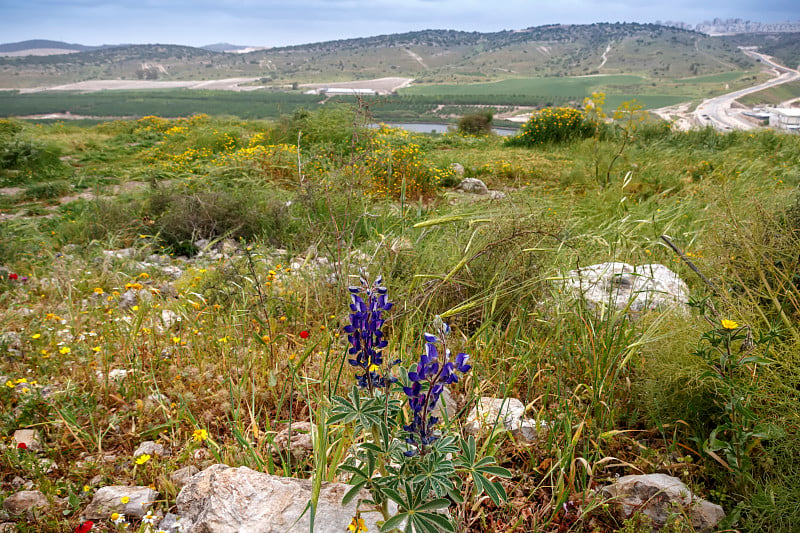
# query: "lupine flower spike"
{"type": "Point", "coordinates": [428, 380]}
{"type": "Point", "coordinates": [368, 302]}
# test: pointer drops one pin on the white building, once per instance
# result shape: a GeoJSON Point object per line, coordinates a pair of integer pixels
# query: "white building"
{"type": "Point", "coordinates": [785, 118]}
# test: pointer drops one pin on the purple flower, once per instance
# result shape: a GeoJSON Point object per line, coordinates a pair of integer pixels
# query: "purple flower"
{"type": "Point", "coordinates": [428, 380]}
{"type": "Point", "coordinates": [368, 302]}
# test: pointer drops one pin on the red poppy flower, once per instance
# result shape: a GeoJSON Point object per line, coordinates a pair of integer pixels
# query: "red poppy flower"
{"type": "Point", "coordinates": [85, 527]}
{"type": "Point", "coordinates": [22, 446]}
{"type": "Point", "coordinates": [13, 276]}
{"type": "Point", "coordinates": [304, 334]}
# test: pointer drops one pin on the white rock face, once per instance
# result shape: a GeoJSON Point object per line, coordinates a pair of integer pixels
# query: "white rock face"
{"type": "Point", "coordinates": [502, 413]}
{"type": "Point", "coordinates": [659, 495]}
{"type": "Point", "coordinates": [222, 499]}
{"type": "Point", "coordinates": [108, 500]}
{"type": "Point", "coordinates": [623, 286]}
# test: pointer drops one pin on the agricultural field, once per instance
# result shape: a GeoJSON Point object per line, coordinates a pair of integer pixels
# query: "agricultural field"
{"type": "Point", "coordinates": [185, 281]}
{"type": "Point", "coordinates": [427, 102]}
{"type": "Point", "coordinates": [773, 95]}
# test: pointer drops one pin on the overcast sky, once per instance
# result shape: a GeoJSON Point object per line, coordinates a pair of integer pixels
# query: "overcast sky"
{"type": "Point", "coordinates": [283, 22]}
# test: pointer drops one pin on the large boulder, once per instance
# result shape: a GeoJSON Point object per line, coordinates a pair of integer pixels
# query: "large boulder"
{"type": "Point", "coordinates": [627, 287]}
{"type": "Point", "coordinates": [658, 496]}
{"type": "Point", "coordinates": [223, 499]}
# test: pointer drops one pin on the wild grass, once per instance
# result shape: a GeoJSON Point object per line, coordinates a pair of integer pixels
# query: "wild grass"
{"type": "Point", "coordinates": [211, 333]}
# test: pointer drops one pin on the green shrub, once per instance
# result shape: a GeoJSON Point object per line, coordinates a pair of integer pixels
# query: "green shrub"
{"type": "Point", "coordinates": [32, 159]}
{"type": "Point", "coordinates": [553, 125]}
{"type": "Point", "coordinates": [476, 124]}
{"type": "Point", "coordinates": [182, 217]}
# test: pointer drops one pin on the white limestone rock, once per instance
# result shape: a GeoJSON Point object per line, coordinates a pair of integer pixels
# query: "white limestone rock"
{"type": "Point", "coordinates": [223, 499]}
{"type": "Point", "coordinates": [108, 500]}
{"type": "Point", "coordinates": [658, 496]}
{"type": "Point", "coordinates": [627, 287]}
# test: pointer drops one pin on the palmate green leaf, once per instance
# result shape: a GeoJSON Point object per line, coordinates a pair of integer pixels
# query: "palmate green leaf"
{"type": "Point", "coordinates": [353, 492]}
{"type": "Point", "coordinates": [354, 470]}
{"type": "Point", "coordinates": [431, 522]}
{"type": "Point", "coordinates": [439, 503]}
{"type": "Point", "coordinates": [394, 522]}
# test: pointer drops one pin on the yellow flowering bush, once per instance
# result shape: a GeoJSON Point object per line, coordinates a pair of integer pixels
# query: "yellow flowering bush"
{"type": "Point", "coordinates": [553, 125]}
{"type": "Point", "coordinates": [394, 163]}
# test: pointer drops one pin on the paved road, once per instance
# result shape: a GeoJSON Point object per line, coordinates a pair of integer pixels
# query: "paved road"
{"type": "Point", "coordinates": [717, 112]}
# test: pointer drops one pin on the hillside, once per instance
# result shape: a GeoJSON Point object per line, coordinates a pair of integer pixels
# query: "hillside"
{"type": "Point", "coordinates": [35, 44]}
{"type": "Point", "coordinates": [785, 47]}
{"type": "Point", "coordinates": [430, 56]}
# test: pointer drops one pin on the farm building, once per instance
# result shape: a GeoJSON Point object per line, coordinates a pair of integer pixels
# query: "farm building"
{"type": "Point", "coordinates": [785, 118]}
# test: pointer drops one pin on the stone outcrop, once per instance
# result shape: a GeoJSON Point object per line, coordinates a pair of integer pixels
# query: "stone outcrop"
{"type": "Point", "coordinates": [627, 287]}
{"type": "Point", "coordinates": [502, 413]}
{"type": "Point", "coordinates": [657, 496]}
{"type": "Point", "coordinates": [222, 499]}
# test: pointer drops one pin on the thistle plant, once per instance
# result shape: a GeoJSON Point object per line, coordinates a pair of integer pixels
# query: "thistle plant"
{"type": "Point", "coordinates": [733, 355]}
{"type": "Point", "coordinates": [402, 453]}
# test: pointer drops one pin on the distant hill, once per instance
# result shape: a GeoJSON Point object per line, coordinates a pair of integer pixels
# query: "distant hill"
{"type": "Point", "coordinates": [429, 56]}
{"type": "Point", "coordinates": [223, 47]}
{"type": "Point", "coordinates": [42, 44]}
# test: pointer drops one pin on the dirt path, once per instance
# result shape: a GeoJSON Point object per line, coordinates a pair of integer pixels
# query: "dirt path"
{"type": "Point", "coordinates": [416, 57]}
{"type": "Point", "coordinates": [604, 57]}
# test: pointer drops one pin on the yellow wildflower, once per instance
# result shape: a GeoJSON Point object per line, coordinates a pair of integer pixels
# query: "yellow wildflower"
{"type": "Point", "coordinates": [142, 459]}
{"type": "Point", "coordinates": [729, 324]}
{"type": "Point", "coordinates": [64, 350]}
{"type": "Point", "coordinates": [357, 525]}
{"type": "Point", "coordinates": [199, 435]}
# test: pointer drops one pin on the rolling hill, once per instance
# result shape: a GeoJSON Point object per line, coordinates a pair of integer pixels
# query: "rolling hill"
{"type": "Point", "coordinates": [430, 56]}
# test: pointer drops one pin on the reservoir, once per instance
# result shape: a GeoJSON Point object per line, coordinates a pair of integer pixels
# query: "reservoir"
{"type": "Point", "coordinates": [425, 127]}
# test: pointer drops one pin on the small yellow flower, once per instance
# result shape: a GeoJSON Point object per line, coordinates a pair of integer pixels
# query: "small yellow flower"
{"type": "Point", "coordinates": [124, 499]}
{"type": "Point", "coordinates": [36, 335]}
{"type": "Point", "coordinates": [357, 525]}
{"type": "Point", "coordinates": [64, 350]}
{"type": "Point", "coordinates": [142, 459]}
{"type": "Point", "coordinates": [265, 338]}
{"type": "Point", "coordinates": [729, 324]}
{"type": "Point", "coordinates": [135, 308]}
{"type": "Point", "coordinates": [144, 275]}
{"type": "Point", "coordinates": [98, 290]}
{"type": "Point", "coordinates": [176, 340]}
{"type": "Point", "coordinates": [199, 435]}
{"type": "Point", "coordinates": [86, 488]}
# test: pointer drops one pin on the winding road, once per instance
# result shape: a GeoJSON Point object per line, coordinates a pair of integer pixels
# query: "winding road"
{"type": "Point", "coordinates": [718, 112]}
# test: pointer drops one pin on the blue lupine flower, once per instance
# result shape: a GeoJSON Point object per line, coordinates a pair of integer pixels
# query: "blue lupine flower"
{"type": "Point", "coordinates": [365, 335]}
{"type": "Point", "coordinates": [435, 374]}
